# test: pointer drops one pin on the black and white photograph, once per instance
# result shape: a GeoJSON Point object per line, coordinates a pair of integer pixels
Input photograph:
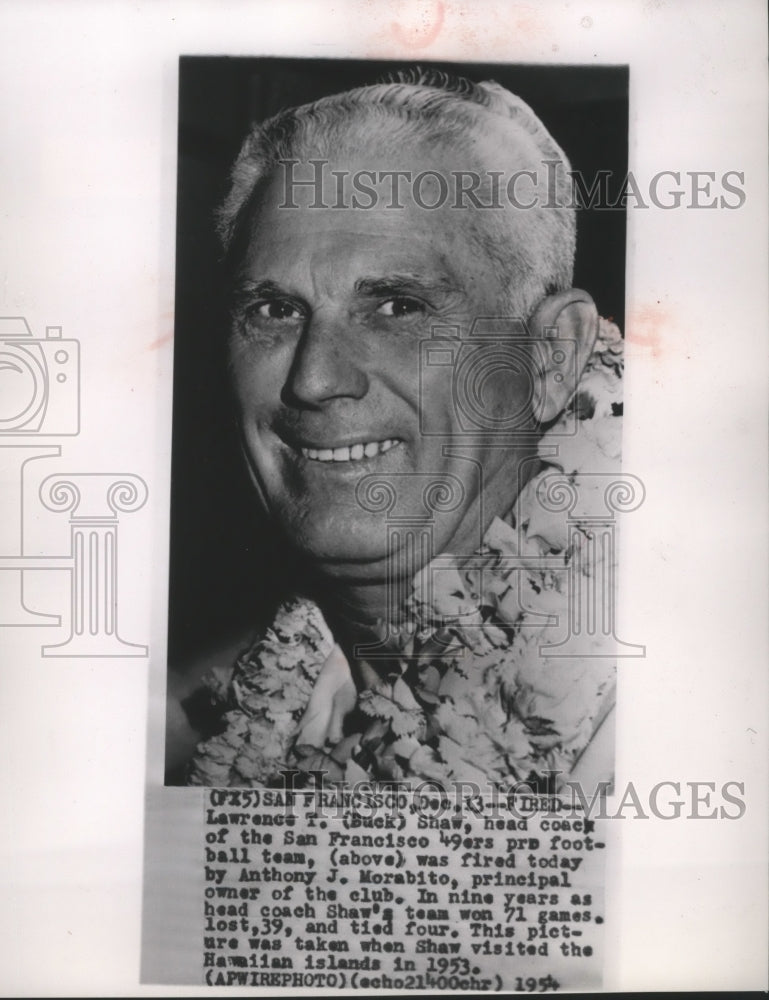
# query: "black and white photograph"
{"type": "Point", "coordinates": [418, 512]}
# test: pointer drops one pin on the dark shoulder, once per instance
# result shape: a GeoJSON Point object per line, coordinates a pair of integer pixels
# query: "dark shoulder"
{"type": "Point", "coordinates": [193, 709]}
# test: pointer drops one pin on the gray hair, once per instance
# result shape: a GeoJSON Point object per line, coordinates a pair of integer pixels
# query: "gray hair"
{"type": "Point", "coordinates": [451, 112]}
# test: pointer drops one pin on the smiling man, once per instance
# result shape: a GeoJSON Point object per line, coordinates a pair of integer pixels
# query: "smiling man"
{"type": "Point", "coordinates": [406, 351]}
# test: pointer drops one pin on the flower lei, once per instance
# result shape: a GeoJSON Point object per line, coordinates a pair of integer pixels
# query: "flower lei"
{"type": "Point", "coordinates": [474, 700]}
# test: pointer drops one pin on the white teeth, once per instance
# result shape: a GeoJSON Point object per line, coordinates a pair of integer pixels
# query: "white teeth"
{"type": "Point", "coordinates": [349, 453]}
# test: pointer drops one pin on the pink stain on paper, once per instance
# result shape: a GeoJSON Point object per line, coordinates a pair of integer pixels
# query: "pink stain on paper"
{"type": "Point", "coordinates": [156, 344]}
{"type": "Point", "coordinates": [458, 31]}
{"type": "Point", "coordinates": [645, 328]}
{"type": "Point", "coordinates": [422, 34]}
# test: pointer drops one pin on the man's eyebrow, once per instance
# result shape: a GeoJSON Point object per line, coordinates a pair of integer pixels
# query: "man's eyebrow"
{"type": "Point", "coordinates": [246, 290]}
{"type": "Point", "coordinates": [256, 289]}
{"type": "Point", "coordinates": [400, 284]}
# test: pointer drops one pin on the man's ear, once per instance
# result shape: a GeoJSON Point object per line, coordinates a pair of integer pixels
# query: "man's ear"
{"type": "Point", "coordinates": [564, 327]}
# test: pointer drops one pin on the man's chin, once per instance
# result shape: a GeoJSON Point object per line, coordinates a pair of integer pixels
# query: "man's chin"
{"type": "Point", "coordinates": [340, 564]}
{"type": "Point", "coordinates": [343, 552]}
{"type": "Point", "coordinates": [353, 549]}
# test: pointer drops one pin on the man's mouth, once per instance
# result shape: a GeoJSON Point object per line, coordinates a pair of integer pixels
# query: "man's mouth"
{"type": "Point", "coordinates": [350, 453]}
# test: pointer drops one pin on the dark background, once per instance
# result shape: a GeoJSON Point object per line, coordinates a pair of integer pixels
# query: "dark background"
{"type": "Point", "coordinates": [225, 571]}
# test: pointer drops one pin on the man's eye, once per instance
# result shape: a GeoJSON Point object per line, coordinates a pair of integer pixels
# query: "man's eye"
{"type": "Point", "coordinates": [275, 309]}
{"type": "Point", "coordinates": [401, 305]}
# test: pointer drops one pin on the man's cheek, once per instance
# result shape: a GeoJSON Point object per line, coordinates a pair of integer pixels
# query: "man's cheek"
{"type": "Point", "coordinates": [437, 410]}
{"type": "Point", "coordinates": [257, 401]}
{"type": "Point", "coordinates": [257, 376]}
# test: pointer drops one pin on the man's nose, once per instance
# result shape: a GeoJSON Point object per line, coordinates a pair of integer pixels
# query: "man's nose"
{"type": "Point", "coordinates": [325, 365]}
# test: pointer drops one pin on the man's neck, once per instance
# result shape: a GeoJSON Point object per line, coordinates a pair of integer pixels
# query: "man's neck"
{"type": "Point", "coordinates": [358, 609]}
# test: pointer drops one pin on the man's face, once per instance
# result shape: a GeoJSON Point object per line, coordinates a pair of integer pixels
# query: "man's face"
{"type": "Point", "coordinates": [330, 307]}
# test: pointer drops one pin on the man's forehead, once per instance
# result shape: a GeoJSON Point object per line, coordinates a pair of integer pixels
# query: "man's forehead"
{"type": "Point", "coordinates": [355, 257]}
{"type": "Point", "coordinates": [421, 239]}
{"type": "Point", "coordinates": [362, 182]}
